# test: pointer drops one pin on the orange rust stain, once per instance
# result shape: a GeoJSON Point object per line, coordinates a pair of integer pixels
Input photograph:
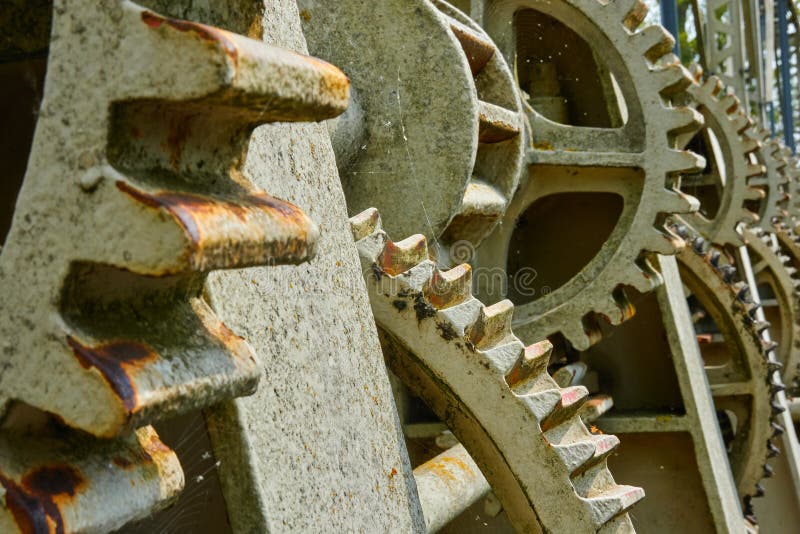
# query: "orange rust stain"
{"type": "Point", "coordinates": [179, 131]}
{"type": "Point", "coordinates": [206, 33]}
{"type": "Point", "coordinates": [195, 212]}
{"type": "Point", "coordinates": [704, 338]}
{"type": "Point", "coordinates": [444, 468]}
{"type": "Point", "coordinates": [115, 361]}
{"type": "Point", "coordinates": [395, 260]}
{"type": "Point", "coordinates": [543, 145]}
{"type": "Point", "coordinates": [448, 290]}
{"type": "Point", "coordinates": [594, 430]}
{"type": "Point", "coordinates": [35, 502]}
{"type": "Point", "coordinates": [392, 473]}
{"type": "Point", "coordinates": [478, 51]}
{"type": "Point", "coordinates": [305, 15]}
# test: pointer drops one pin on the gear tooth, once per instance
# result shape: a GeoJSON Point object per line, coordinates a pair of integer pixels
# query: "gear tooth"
{"type": "Point", "coordinates": [681, 120]}
{"type": "Point", "coordinates": [632, 12]}
{"type": "Point", "coordinates": [774, 366]}
{"type": "Point", "coordinates": [713, 258]}
{"type": "Point", "coordinates": [610, 503]}
{"type": "Point", "coordinates": [713, 85]}
{"type": "Point", "coordinates": [728, 274]}
{"type": "Point", "coordinates": [768, 346]}
{"type": "Point", "coordinates": [759, 491]}
{"type": "Point", "coordinates": [672, 79]}
{"type": "Point", "coordinates": [772, 450]}
{"type": "Point", "coordinates": [777, 409]}
{"type": "Point", "coordinates": [678, 202]}
{"type": "Point", "coordinates": [699, 245]}
{"type": "Point", "coordinates": [664, 242]}
{"type": "Point", "coordinates": [730, 103]}
{"type": "Point", "coordinates": [532, 362]}
{"type": "Point", "coordinates": [449, 288]}
{"type": "Point", "coordinates": [684, 161]}
{"type": "Point", "coordinates": [401, 256]}
{"type": "Point", "coordinates": [750, 145]}
{"type": "Point", "coordinates": [743, 294]}
{"type": "Point", "coordinates": [580, 455]}
{"type": "Point", "coordinates": [365, 223]}
{"type": "Point", "coordinates": [777, 429]}
{"type": "Point", "coordinates": [768, 471]}
{"type": "Point", "coordinates": [493, 325]}
{"type": "Point", "coordinates": [760, 326]}
{"type": "Point", "coordinates": [572, 398]}
{"type": "Point", "coordinates": [578, 335]}
{"type": "Point", "coordinates": [654, 41]}
{"type": "Point", "coordinates": [755, 170]}
{"type": "Point", "coordinates": [595, 407]}
{"type": "Point", "coordinates": [569, 375]}
{"type": "Point", "coordinates": [775, 388]}
{"type": "Point", "coordinates": [741, 121]}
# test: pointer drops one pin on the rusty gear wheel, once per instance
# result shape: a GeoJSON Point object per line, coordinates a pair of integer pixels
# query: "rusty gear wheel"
{"type": "Point", "coordinates": [772, 207]}
{"type": "Point", "coordinates": [621, 152]}
{"type": "Point", "coordinates": [743, 381]}
{"type": "Point", "coordinates": [728, 142]}
{"type": "Point", "coordinates": [462, 358]}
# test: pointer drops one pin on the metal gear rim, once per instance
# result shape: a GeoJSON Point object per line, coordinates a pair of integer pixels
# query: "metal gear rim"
{"type": "Point", "coordinates": [643, 56]}
{"type": "Point", "coordinates": [729, 304]}
{"type": "Point", "coordinates": [462, 358]}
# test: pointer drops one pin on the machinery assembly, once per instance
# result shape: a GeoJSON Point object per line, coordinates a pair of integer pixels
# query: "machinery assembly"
{"type": "Point", "coordinates": [454, 266]}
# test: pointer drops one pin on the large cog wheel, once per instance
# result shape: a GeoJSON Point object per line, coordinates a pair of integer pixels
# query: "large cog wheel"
{"type": "Point", "coordinates": [772, 207]}
{"type": "Point", "coordinates": [630, 156]}
{"type": "Point", "coordinates": [722, 187]}
{"type": "Point", "coordinates": [434, 134]}
{"type": "Point", "coordinates": [742, 379]}
{"type": "Point", "coordinates": [495, 394]}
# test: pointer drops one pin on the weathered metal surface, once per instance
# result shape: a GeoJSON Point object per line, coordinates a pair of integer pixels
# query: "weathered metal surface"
{"type": "Point", "coordinates": [155, 191]}
{"type": "Point", "coordinates": [435, 112]}
{"type": "Point", "coordinates": [463, 360]}
{"type": "Point", "coordinates": [616, 81]}
{"type": "Point", "coordinates": [727, 184]}
{"type": "Point", "coordinates": [737, 366]}
{"type": "Point", "coordinates": [57, 484]}
{"type": "Point", "coordinates": [447, 485]}
{"type": "Point", "coordinates": [665, 416]}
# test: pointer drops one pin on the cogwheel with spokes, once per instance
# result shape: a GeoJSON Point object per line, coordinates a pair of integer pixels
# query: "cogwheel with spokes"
{"type": "Point", "coordinates": [602, 168]}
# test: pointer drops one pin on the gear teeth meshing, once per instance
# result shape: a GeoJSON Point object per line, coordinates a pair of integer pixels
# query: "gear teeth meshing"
{"type": "Point", "coordinates": [487, 371]}
{"type": "Point", "coordinates": [728, 301]}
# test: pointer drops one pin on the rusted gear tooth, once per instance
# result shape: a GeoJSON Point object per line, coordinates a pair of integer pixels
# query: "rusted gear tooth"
{"type": "Point", "coordinates": [493, 325]}
{"type": "Point", "coordinates": [482, 367]}
{"type": "Point", "coordinates": [654, 41]}
{"type": "Point", "coordinates": [760, 326]}
{"type": "Point", "coordinates": [532, 363]}
{"type": "Point", "coordinates": [768, 471]}
{"type": "Point", "coordinates": [401, 256]}
{"type": "Point", "coordinates": [572, 399]}
{"type": "Point", "coordinates": [633, 12]}
{"type": "Point", "coordinates": [774, 366]}
{"type": "Point", "coordinates": [58, 484]}
{"type": "Point", "coordinates": [164, 201]}
{"type": "Point", "coordinates": [449, 288]}
{"type": "Point", "coordinates": [477, 48]}
{"type": "Point", "coordinates": [365, 223]}
{"type": "Point", "coordinates": [743, 294]}
{"type": "Point", "coordinates": [769, 345]}
{"type": "Point", "coordinates": [583, 454]}
{"type": "Point", "coordinates": [777, 409]}
{"type": "Point", "coordinates": [759, 491]}
{"type": "Point", "coordinates": [713, 258]}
